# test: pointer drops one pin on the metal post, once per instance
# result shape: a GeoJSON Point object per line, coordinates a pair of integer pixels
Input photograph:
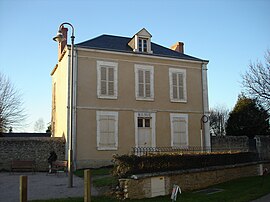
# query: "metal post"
{"type": "Point", "coordinates": [59, 37]}
{"type": "Point", "coordinates": [23, 188]}
{"type": "Point", "coordinates": [87, 186]}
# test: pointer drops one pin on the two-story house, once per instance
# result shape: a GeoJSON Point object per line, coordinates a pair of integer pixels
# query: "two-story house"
{"type": "Point", "coordinates": [129, 92]}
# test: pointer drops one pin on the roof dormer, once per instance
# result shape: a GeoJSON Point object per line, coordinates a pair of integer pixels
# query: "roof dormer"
{"type": "Point", "coordinates": [141, 42]}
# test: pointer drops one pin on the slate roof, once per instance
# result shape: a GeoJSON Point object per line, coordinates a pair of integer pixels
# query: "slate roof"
{"type": "Point", "coordinates": [120, 44]}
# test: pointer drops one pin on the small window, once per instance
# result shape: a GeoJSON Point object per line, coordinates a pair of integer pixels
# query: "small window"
{"type": "Point", "coordinates": [107, 79]}
{"type": "Point", "coordinates": [144, 122]}
{"type": "Point", "coordinates": [142, 45]}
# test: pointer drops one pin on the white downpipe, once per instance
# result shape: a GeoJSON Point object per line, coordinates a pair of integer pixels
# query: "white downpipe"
{"type": "Point", "coordinates": [206, 127]}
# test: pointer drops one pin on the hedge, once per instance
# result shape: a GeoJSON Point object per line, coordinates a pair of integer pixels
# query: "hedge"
{"type": "Point", "coordinates": [126, 165]}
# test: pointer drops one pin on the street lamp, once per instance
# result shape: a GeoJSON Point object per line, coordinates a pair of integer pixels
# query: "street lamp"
{"type": "Point", "coordinates": [59, 38]}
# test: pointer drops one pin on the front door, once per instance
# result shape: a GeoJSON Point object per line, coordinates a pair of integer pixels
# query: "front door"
{"type": "Point", "coordinates": [145, 129]}
{"type": "Point", "coordinates": [144, 132]}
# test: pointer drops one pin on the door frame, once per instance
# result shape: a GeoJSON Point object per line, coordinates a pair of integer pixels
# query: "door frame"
{"type": "Point", "coordinates": [152, 115]}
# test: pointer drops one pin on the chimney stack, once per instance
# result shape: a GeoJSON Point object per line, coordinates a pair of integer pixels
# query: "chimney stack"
{"type": "Point", "coordinates": [179, 47]}
{"type": "Point", "coordinates": [61, 45]}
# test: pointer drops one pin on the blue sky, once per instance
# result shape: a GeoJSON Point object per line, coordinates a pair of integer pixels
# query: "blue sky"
{"type": "Point", "coordinates": [228, 33]}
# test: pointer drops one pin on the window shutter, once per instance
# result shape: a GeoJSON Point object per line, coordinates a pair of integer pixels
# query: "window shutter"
{"type": "Point", "coordinates": [147, 84]}
{"type": "Point", "coordinates": [107, 131]}
{"type": "Point", "coordinates": [181, 86]}
{"type": "Point", "coordinates": [141, 83]}
{"type": "Point", "coordinates": [179, 132]}
{"type": "Point", "coordinates": [107, 79]}
{"type": "Point", "coordinates": [110, 81]}
{"type": "Point", "coordinates": [103, 80]}
{"type": "Point", "coordinates": [177, 85]}
{"type": "Point", "coordinates": [174, 85]}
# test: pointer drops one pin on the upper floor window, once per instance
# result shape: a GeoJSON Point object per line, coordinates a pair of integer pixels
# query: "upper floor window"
{"type": "Point", "coordinates": [142, 45]}
{"type": "Point", "coordinates": [144, 82]}
{"type": "Point", "coordinates": [107, 79]}
{"type": "Point", "coordinates": [177, 78]}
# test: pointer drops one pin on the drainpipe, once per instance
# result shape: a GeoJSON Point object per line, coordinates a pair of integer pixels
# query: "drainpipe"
{"type": "Point", "coordinates": [205, 118]}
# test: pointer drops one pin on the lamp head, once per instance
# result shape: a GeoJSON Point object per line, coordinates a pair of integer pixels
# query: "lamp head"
{"type": "Point", "coordinates": [59, 37]}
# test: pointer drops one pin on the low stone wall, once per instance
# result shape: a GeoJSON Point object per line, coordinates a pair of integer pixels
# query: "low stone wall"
{"type": "Point", "coordinates": [221, 143]}
{"type": "Point", "coordinates": [263, 146]}
{"type": "Point", "coordinates": [142, 186]}
{"type": "Point", "coordinates": [30, 148]}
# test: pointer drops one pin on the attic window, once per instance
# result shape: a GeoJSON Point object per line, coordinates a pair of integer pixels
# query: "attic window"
{"type": "Point", "coordinates": [142, 45]}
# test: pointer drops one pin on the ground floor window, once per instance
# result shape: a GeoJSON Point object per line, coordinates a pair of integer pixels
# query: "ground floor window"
{"type": "Point", "coordinates": [179, 130]}
{"type": "Point", "coordinates": [107, 130]}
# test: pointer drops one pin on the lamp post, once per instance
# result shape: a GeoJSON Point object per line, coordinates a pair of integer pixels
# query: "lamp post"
{"type": "Point", "coordinates": [59, 38]}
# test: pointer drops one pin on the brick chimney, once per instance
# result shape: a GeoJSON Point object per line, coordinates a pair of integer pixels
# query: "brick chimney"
{"type": "Point", "coordinates": [61, 45]}
{"type": "Point", "coordinates": [179, 47]}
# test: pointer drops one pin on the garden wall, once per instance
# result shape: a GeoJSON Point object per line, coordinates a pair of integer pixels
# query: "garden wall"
{"type": "Point", "coordinates": [242, 143]}
{"type": "Point", "coordinates": [30, 148]}
{"type": "Point", "coordinates": [154, 184]}
{"type": "Point", "coordinates": [227, 143]}
{"type": "Point", "coordinates": [263, 146]}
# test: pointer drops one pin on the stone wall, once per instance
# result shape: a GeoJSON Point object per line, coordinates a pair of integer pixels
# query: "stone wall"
{"type": "Point", "coordinates": [30, 148]}
{"type": "Point", "coordinates": [227, 143]}
{"type": "Point", "coordinates": [263, 147]}
{"type": "Point", "coordinates": [188, 180]}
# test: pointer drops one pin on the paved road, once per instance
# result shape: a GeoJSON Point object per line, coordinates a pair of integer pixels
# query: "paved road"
{"type": "Point", "coordinates": [40, 186]}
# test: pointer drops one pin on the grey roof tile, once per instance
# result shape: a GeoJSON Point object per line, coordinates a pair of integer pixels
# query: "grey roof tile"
{"type": "Point", "coordinates": [120, 44]}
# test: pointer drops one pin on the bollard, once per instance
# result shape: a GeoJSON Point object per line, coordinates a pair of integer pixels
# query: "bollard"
{"type": "Point", "coordinates": [87, 186]}
{"type": "Point", "coordinates": [23, 188]}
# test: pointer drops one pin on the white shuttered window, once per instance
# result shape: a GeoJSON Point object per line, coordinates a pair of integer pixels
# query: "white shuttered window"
{"type": "Point", "coordinates": [107, 80]}
{"type": "Point", "coordinates": [179, 130]}
{"type": "Point", "coordinates": [144, 78]}
{"type": "Point", "coordinates": [107, 130]}
{"type": "Point", "coordinates": [177, 78]}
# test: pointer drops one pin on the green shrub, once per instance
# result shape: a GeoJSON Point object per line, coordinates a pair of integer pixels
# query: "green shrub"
{"type": "Point", "coordinates": [126, 165]}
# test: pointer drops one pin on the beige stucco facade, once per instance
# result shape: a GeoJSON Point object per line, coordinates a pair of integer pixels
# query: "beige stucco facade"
{"type": "Point", "coordinates": [87, 104]}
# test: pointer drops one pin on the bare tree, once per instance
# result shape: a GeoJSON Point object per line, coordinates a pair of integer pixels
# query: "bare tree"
{"type": "Point", "coordinates": [12, 113]}
{"type": "Point", "coordinates": [218, 118]}
{"type": "Point", "coordinates": [256, 81]}
{"type": "Point", "coordinates": [39, 125]}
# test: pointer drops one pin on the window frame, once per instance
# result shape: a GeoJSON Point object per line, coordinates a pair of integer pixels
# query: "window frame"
{"type": "Point", "coordinates": [178, 71]}
{"type": "Point", "coordinates": [181, 116]}
{"type": "Point", "coordinates": [107, 113]}
{"type": "Point", "coordinates": [144, 68]}
{"type": "Point", "coordinates": [107, 65]}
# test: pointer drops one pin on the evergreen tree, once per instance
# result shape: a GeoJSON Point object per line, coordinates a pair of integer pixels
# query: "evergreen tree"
{"type": "Point", "coordinates": [248, 118]}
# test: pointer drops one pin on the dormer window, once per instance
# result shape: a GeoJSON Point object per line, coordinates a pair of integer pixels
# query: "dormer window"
{"type": "Point", "coordinates": [141, 42]}
{"type": "Point", "coordinates": [142, 45]}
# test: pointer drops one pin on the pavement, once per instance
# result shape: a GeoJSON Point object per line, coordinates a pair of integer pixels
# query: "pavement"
{"type": "Point", "coordinates": [41, 186]}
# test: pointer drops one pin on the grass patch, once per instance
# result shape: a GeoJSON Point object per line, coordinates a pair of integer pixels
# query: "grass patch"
{"type": "Point", "coordinates": [240, 190]}
{"type": "Point", "coordinates": [105, 181]}
{"type": "Point", "coordinates": [95, 172]}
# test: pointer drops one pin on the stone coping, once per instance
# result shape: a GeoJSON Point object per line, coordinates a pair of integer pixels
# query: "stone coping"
{"type": "Point", "coordinates": [194, 170]}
